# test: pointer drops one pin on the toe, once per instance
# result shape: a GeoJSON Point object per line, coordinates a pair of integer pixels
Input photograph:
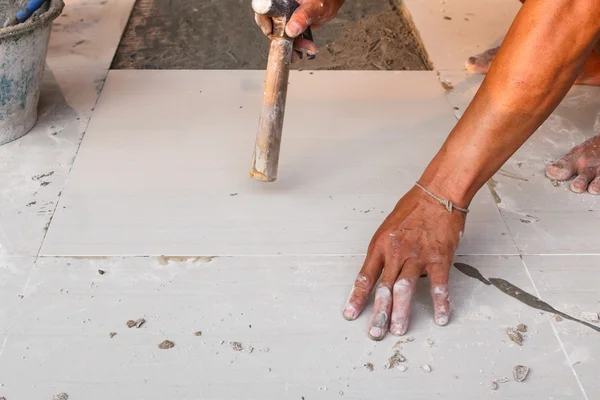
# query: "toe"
{"type": "Point", "coordinates": [594, 187]}
{"type": "Point", "coordinates": [580, 183]}
{"type": "Point", "coordinates": [560, 170]}
{"type": "Point", "coordinates": [480, 63]}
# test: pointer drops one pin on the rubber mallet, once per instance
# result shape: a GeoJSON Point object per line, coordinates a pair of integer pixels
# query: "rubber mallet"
{"type": "Point", "coordinates": [270, 124]}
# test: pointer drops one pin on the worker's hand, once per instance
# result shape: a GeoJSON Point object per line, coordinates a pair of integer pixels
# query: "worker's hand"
{"type": "Point", "coordinates": [313, 13]}
{"type": "Point", "coordinates": [419, 236]}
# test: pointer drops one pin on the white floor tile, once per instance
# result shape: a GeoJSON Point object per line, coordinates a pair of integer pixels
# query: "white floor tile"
{"type": "Point", "coordinates": [288, 305]}
{"type": "Point", "coordinates": [87, 33]}
{"type": "Point", "coordinates": [571, 284]}
{"type": "Point", "coordinates": [164, 166]}
{"type": "Point", "coordinates": [473, 27]}
{"type": "Point", "coordinates": [542, 218]}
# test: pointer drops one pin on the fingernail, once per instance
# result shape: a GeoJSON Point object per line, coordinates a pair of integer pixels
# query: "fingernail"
{"type": "Point", "coordinates": [350, 313]}
{"type": "Point", "coordinates": [397, 329]}
{"type": "Point", "coordinates": [293, 29]}
{"type": "Point", "coordinates": [441, 320]}
{"type": "Point", "coordinates": [375, 333]}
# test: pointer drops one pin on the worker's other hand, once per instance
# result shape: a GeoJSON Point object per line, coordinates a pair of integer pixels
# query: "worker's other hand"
{"type": "Point", "coordinates": [419, 236]}
{"type": "Point", "coordinates": [313, 13]}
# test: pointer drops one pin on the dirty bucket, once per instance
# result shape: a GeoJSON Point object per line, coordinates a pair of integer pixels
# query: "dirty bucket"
{"type": "Point", "coordinates": [23, 49]}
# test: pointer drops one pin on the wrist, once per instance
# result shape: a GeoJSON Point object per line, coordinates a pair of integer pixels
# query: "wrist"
{"type": "Point", "coordinates": [452, 180]}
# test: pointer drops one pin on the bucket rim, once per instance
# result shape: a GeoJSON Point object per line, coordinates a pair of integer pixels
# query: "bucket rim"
{"type": "Point", "coordinates": [54, 10]}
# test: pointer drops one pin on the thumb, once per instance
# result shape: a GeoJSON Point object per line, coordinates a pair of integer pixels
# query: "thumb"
{"type": "Point", "coordinates": [301, 19]}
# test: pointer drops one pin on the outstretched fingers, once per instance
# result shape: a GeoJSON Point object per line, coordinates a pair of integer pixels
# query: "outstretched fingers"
{"type": "Point", "coordinates": [404, 290]}
{"type": "Point", "coordinates": [361, 290]}
{"type": "Point", "coordinates": [440, 294]}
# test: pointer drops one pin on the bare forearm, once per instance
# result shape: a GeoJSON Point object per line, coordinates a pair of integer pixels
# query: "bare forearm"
{"type": "Point", "coordinates": [538, 62]}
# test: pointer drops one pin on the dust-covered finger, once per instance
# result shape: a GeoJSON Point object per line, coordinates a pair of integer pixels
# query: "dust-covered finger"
{"type": "Point", "coordinates": [381, 312]}
{"type": "Point", "coordinates": [403, 292]}
{"type": "Point", "coordinates": [265, 23]}
{"type": "Point", "coordinates": [361, 290]}
{"type": "Point", "coordinates": [440, 294]}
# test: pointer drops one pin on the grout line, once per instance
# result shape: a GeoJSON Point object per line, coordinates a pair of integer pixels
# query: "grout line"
{"type": "Point", "coordinates": [560, 342]}
{"type": "Point", "coordinates": [324, 255]}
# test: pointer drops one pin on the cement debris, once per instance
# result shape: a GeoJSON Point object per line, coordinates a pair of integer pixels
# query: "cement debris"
{"type": "Point", "coordinates": [166, 344]}
{"type": "Point", "coordinates": [515, 336]}
{"type": "Point", "coordinates": [590, 316]}
{"type": "Point", "coordinates": [503, 379]}
{"type": "Point", "coordinates": [399, 343]}
{"type": "Point", "coordinates": [493, 385]}
{"type": "Point", "coordinates": [250, 349]}
{"type": "Point", "coordinates": [101, 272]}
{"type": "Point", "coordinates": [522, 328]}
{"type": "Point", "coordinates": [402, 368]}
{"type": "Point", "coordinates": [426, 368]}
{"type": "Point", "coordinates": [60, 396]}
{"type": "Point", "coordinates": [369, 366]}
{"type": "Point", "coordinates": [237, 346]}
{"type": "Point", "coordinates": [447, 85]}
{"type": "Point", "coordinates": [199, 333]}
{"type": "Point", "coordinates": [113, 334]}
{"type": "Point", "coordinates": [137, 323]}
{"type": "Point", "coordinates": [520, 373]}
{"type": "Point", "coordinates": [394, 360]}
{"type": "Point", "coordinates": [429, 343]}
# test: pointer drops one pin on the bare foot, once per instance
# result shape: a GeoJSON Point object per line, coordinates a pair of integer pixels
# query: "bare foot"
{"type": "Point", "coordinates": [480, 63]}
{"type": "Point", "coordinates": [583, 161]}
{"type": "Point", "coordinates": [590, 75]}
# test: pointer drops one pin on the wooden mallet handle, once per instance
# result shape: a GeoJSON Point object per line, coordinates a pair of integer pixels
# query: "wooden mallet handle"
{"type": "Point", "coordinates": [270, 124]}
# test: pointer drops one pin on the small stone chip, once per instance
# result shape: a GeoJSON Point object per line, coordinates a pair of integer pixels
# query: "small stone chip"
{"type": "Point", "coordinates": [493, 385]}
{"type": "Point", "coordinates": [426, 368]}
{"type": "Point", "coordinates": [131, 323]}
{"type": "Point", "coordinates": [60, 396]}
{"type": "Point", "coordinates": [199, 333]}
{"type": "Point", "coordinates": [394, 360]}
{"type": "Point", "coordinates": [402, 367]}
{"type": "Point", "coordinates": [101, 272]}
{"type": "Point", "coordinates": [502, 380]}
{"type": "Point", "coordinates": [520, 373]}
{"type": "Point", "coordinates": [522, 328]}
{"type": "Point", "coordinates": [369, 366]}
{"type": "Point", "coordinates": [558, 318]}
{"type": "Point", "coordinates": [237, 346]}
{"type": "Point", "coordinates": [167, 344]}
{"type": "Point", "coordinates": [515, 336]}
{"type": "Point", "coordinates": [113, 334]}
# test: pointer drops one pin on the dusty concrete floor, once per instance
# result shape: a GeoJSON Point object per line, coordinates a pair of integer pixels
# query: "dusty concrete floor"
{"type": "Point", "coordinates": [221, 34]}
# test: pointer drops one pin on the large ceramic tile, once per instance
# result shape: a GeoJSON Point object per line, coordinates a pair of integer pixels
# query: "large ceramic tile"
{"type": "Point", "coordinates": [87, 33]}
{"type": "Point", "coordinates": [570, 284]}
{"type": "Point", "coordinates": [14, 273]}
{"type": "Point", "coordinates": [534, 207]}
{"type": "Point", "coordinates": [164, 166]}
{"type": "Point", "coordinates": [288, 309]}
{"type": "Point", "coordinates": [34, 168]}
{"type": "Point", "coordinates": [454, 30]}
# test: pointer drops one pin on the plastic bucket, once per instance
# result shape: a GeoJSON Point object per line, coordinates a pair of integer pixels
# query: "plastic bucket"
{"type": "Point", "coordinates": [23, 49]}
